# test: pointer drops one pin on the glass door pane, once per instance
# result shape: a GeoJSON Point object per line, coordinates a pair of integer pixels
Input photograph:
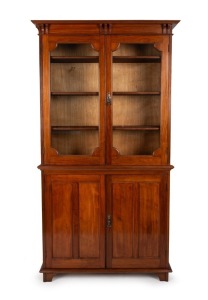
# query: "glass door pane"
{"type": "Point", "coordinates": [136, 99]}
{"type": "Point", "coordinates": [74, 105]}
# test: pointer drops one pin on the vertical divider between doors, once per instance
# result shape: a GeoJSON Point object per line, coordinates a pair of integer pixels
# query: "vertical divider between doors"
{"type": "Point", "coordinates": [108, 59]}
{"type": "Point", "coordinates": [102, 100]}
{"type": "Point", "coordinates": [109, 245]}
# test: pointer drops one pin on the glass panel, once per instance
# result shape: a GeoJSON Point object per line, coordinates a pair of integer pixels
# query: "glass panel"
{"type": "Point", "coordinates": [74, 50]}
{"type": "Point", "coordinates": [74, 77]}
{"type": "Point", "coordinates": [136, 99]}
{"type": "Point", "coordinates": [74, 105]}
{"type": "Point", "coordinates": [136, 77]}
{"type": "Point", "coordinates": [136, 142]}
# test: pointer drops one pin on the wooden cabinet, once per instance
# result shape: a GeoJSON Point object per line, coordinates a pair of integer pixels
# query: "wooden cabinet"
{"type": "Point", "coordinates": [105, 151]}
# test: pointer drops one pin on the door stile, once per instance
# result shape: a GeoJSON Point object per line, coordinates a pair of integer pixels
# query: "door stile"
{"type": "Point", "coordinates": [108, 99]}
{"type": "Point", "coordinates": [102, 100]}
{"type": "Point", "coordinates": [109, 243]}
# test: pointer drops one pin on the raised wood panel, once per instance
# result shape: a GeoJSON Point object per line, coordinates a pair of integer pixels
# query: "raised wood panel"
{"type": "Point", "coordinates": [136, 220]}
{"type": "Point", "coordinates": [123, 220]}
{"type": "Point", "coordinates": [149, 219]}
{"type": "Point", "coordinates": [75, 206]}
{"type": "Point", "coordinates": [89, 216]}
{"type": "Point", "coordinates": [62, 219]}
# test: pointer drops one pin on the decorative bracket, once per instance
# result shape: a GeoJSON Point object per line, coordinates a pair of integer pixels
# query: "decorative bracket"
{"type": "Point", "coordinates": [105, 28]}
{"type": "Point", "coordinates": [43, 28]}
{"type": "Point", "coordinates": [167, 28]}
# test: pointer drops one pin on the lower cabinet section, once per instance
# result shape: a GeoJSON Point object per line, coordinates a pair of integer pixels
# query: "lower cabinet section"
{"type": "Point", "coordinates": [105, 224]}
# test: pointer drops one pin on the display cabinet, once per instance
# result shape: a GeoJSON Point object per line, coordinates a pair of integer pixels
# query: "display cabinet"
{"type": "Point", "coordinates": [105, 146]}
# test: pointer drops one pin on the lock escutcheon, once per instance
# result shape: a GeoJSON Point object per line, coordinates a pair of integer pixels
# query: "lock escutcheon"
{"type": "Point", "coordinates": [109, 221]}
{"type": "Point", "coordinates": [108, 99]}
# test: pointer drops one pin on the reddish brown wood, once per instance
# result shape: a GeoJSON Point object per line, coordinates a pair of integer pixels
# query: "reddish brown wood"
{"type": "Point", "coordinates": [48, 277]}
{"type": "Point", "coordinates": [135, 93]}
{"type": "Point", "coordinates": [161, 273]}
{"type": "Point", "coordinates": [106, 211]}
{"type": "Point", "coordinates": [89, 215]}
{"type": "Point", "coordinates": [74, 216]}
{"type": "Point", "coordinates": [163, 276]}
{"type": "Point", "coordinates": [138, 59]}
{"type": "Point", "coordinates": [140, 127]}
{"type": "Point", "coordinates": [75, 221]}
{"type": "Point", "coordinates": [79, 27]}
{"type": "Point", "coordinates": [62, 219]}
{"type": "Point", "coordinates": [67, 128]}
{"type": "Point", "coordinates": [74, 93]}
{"type": "Point", "coordinates": [137, 221]}
{"type": "Point", "coordinates": [149, 219]}
{"type": "Point", "coordinates": [123, 220]}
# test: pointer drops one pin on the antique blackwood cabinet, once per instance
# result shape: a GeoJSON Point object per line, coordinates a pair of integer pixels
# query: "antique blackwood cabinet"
{"type": "Point", "coordinates": [105, 132]}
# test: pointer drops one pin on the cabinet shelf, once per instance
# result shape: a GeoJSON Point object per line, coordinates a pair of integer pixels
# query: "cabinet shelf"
{"type": "Point", "coordinates": [135, 93]}
{"type": "Point", "coordinates": [140, 127]}
{"type": "Point", "coordinates": [74, 59]}
{"type": "Point", "coordinates": [136, 59]}
{"type": "Point", "coordinates": [74, 93]}
{"type": "Point", "coordinates": [73, 128]}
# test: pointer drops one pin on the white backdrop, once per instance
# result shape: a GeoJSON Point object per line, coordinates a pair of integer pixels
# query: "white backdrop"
{"type": "Point", "coordinates": [20, 191]}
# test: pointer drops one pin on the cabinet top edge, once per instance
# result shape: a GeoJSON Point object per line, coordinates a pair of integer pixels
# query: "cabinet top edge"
{"type": "Point", "coordinates": [138, 22]}
{"type": "Point", "coordinates": [106, 168]}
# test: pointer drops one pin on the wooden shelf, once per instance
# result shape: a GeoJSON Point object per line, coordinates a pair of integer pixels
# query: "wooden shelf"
{"type": "Point", "coordinates": [135, 93]}
{"type": "Point", "coordinates": [73, 128]}
{"type": "Point", "coordinates": [74, 59]}
{"type": "Point", "coordinates": [136, 128]}
{"type": "Point", "coordinates": [74, 93]}
{"type": "Point", "coordinates": [136, 59]}
{"type": "Point", "coordinates": [97, 93]}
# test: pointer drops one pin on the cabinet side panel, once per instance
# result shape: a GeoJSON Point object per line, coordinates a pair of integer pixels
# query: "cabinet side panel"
{"type": "Point", "coordinates": [62, 219]}
{"type": "Point", "coordinates": [89, 223]}
{"type": "Point", "coordinates": [149, 225]}
{"type": "Point", "coordinates": [123, 220]}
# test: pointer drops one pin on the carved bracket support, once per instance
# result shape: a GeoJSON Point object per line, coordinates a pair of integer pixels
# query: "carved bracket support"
{"type": "Point", "coordinates": [105, 28]}
{"type": "Point", "coordinates": [42, 28]}
{"type": "Point", "coordinates": [167, 28]}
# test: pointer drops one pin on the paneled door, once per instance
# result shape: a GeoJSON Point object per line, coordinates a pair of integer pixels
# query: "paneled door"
{"type": "Point", "coordinates": [137, 211]}
{"type": "Point", "coordinates": [74, 216]}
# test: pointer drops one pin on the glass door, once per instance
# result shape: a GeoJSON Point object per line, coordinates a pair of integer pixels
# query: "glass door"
{"type": "Point", "coordinates": [76, 134]}
{"type": "Point", "coordinates": [136, 101]}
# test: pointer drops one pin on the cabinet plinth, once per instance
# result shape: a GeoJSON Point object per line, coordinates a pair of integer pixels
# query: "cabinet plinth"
{"type": "Point", "coordinates": [105, 146]}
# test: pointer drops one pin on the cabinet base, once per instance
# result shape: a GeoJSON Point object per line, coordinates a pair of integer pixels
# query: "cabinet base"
{"type": "Point", "coordinates": [48, 273]}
